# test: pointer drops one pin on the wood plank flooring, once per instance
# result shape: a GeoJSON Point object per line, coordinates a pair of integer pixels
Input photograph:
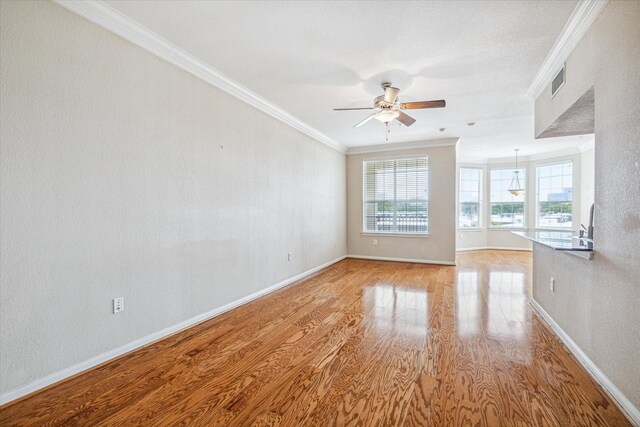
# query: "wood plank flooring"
{"type": "Point", "coordinates": [366, 343]}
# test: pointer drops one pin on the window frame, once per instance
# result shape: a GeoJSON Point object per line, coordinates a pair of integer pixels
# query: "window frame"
{"type": "Point", "coordinates": [364, 231]}
{"type": "Point", "coordinates": [537, 226]}
{"type": "Point", "coordinates": [480, 199]}
{"type": "Point", "coordinates": [524, 225]}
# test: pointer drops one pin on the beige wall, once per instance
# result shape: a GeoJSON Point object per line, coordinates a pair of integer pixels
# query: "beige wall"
{"type": "Point", "coordinates": [113, 183]}
{"type": "Point", "coordinates": [440, 244]}
{"type": "Point", "coordinates": [596, 302]}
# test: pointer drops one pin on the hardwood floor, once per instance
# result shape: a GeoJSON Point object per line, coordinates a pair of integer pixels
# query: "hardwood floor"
{"type": "Point", "coordinates": [361, 343]}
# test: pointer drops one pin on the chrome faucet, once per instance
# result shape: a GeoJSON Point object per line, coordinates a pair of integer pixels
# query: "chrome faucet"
{"type": "Point", "coordinates": [590, 228]}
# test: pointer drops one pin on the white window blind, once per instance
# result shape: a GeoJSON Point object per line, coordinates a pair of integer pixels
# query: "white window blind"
{"type": "Point", "coordinates": [396, 196]}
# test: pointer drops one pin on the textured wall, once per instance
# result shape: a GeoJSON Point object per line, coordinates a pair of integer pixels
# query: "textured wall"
{"type": "Point", "coordinates": [113, 183]}
{"type": "Point", "coordinates": [440, 245]}
{"type": "Point", "coordinates": [587, 183]}
{"type": "Point", "coordinates": [596, 302]}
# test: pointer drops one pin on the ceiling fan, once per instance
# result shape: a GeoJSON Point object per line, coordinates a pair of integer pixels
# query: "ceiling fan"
{"type": "Point", "coordinates": [389, 108]}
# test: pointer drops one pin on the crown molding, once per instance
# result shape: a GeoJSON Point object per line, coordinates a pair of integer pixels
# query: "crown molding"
{"type": "Point", "coordinates": [432, 143]}
{"type": "Point", "coordinates": [579, 22]}
{"type": "Point", "coordinates": [589, 145]}
{"type": "Point", "coordinates": [107, 17]}
{"type": "Point", "coordinates": [471, 160]}
{"type": "Point", "coordinates": [558, 154]}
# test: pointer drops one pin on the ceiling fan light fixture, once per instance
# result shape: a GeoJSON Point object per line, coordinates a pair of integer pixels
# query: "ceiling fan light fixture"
{"type": "Point", "coordinates": [388, 108]}
{"type": "Point", "coordinates": [385, 116]}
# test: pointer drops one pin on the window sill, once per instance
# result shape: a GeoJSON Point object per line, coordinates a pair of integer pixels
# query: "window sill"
{"type": "Point", "coordinates": [473, 230]}
{"type": "Point", "coordinates": [392, 234]}
{"type": "Point", "coordinates": [567, 229]}
{"type": "Point", "coordinates": [508, 228]}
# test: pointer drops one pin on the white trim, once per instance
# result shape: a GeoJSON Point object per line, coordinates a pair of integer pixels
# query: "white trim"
{"type": "Point", "coordinates": [589, 145]}
{"type": "Point", "coordinates": [109, 18]}
{"type": "Point", "coordinates": [419, 261]}
{"type": "Point", "coordinates": [579, 22]}
{"type": "Point", "coordinates": [496, 248]}
{"type": "Point", "coordinates": [470, 160]}
{"type": "Point", "coordinates": [393, 234]}
{"type": "Point", "coordinates": [625, 405]}
{"type": "Point", "coordinates": [105, 357]}
{"type": "Point", "coordinates": [424, 155]}
{"type": "Point", "coordinates": [563, 153]}
{"type": "Point", "coordinates": [496, 228]}
{"type": "Point", "coordinates": [444, 142]}
{"type": "Point", "coordinates": [553, 162]}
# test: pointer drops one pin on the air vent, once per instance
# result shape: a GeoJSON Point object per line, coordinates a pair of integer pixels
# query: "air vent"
{"type": "Point", "coordinates": [558, 81]}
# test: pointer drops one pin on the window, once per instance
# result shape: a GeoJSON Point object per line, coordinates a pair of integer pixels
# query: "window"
{"type": "Point", "coordinates": [554, 195]}
{"type": "Point", "coordinates": [469, 199]}
{"type": "Point", "coordinates": [507, 210]}
{"type": "Point", "coordinates": [396, 195]}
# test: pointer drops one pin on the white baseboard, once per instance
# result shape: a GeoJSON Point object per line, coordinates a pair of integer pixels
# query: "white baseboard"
{"type": "Point", "coordinates": [384, 258]}
{"type": "Point", "coordinates": [498, 248]}
{"type": "Point", "coordinates": [625, 405]}
{"type": "Point", "coordinates": [134, 345]}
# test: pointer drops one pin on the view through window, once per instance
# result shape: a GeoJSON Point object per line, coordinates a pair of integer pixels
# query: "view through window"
{"type": "Point", "coordinates": [469, 199]}
{"type": "Point", "coordinates": [554, 195]}
{"type": "Point", "coordinates": [507, 210]}
{"type": "Point", "coordinates": [396, 195]}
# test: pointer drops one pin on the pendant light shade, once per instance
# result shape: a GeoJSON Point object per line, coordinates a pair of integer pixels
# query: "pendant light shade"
{"type": "Point", "coordinates": [385, 116]}
{"type": "Point", "coordinates": [515, 187]}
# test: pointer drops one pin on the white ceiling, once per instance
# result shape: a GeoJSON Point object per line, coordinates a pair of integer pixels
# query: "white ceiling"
{"type": "Point", "coordinates": [311, 56]}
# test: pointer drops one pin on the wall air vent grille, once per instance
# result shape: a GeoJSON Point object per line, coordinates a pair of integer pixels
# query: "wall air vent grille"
{"type": "Point", "coordinates": [558, 81]}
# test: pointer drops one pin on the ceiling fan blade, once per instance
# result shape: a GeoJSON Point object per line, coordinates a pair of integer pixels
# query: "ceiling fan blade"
{"type": "Point", "coordinates": [423, 104]}
{"type": "Point", "coordinates": [405, 119]}
{"type": "Point", "coordinates": [349, 109]}
{"type": "Point", "coordinates": [391, 94]}
{"type": "Point", "coordinates": [366, 120]}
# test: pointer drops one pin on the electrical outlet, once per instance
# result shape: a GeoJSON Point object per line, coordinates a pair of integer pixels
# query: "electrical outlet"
{"type": "Point", "coordinates": [375, 242]}
{"type": "Point", "coordinates": [552, 284]}
{"type": "Point", "coordinates": [118, 305]}
{"type": "Point", "coordinates": [289, 256]}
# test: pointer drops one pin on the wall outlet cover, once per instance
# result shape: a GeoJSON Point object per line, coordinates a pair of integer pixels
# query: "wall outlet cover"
{"type": "Point", "coordinates": [118, 305]}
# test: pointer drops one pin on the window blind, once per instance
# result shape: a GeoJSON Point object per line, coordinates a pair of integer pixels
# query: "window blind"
{"type": "Point", "coordinates": [396, 195]}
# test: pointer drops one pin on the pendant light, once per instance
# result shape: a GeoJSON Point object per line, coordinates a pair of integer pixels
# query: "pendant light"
{"type": "Point", "coordinates": [515, 187]}
{"type": "Point", "coordinates": [385, 116]}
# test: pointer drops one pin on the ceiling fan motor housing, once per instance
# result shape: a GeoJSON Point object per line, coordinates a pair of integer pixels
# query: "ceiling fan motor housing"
{"type": "Point", "coordinates": [379, 102]}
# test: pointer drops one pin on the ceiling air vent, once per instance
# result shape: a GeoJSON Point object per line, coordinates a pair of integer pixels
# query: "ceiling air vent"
{"type": "Point", "coordinates": [558, 81]}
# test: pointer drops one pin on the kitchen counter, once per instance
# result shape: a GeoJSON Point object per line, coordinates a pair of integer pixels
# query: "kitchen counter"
{"type": "Point", "coordinates": [560, 241]}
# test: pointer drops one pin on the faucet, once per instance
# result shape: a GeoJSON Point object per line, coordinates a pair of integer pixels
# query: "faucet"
{"type": "Point", "coordinates": [590, 228]}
